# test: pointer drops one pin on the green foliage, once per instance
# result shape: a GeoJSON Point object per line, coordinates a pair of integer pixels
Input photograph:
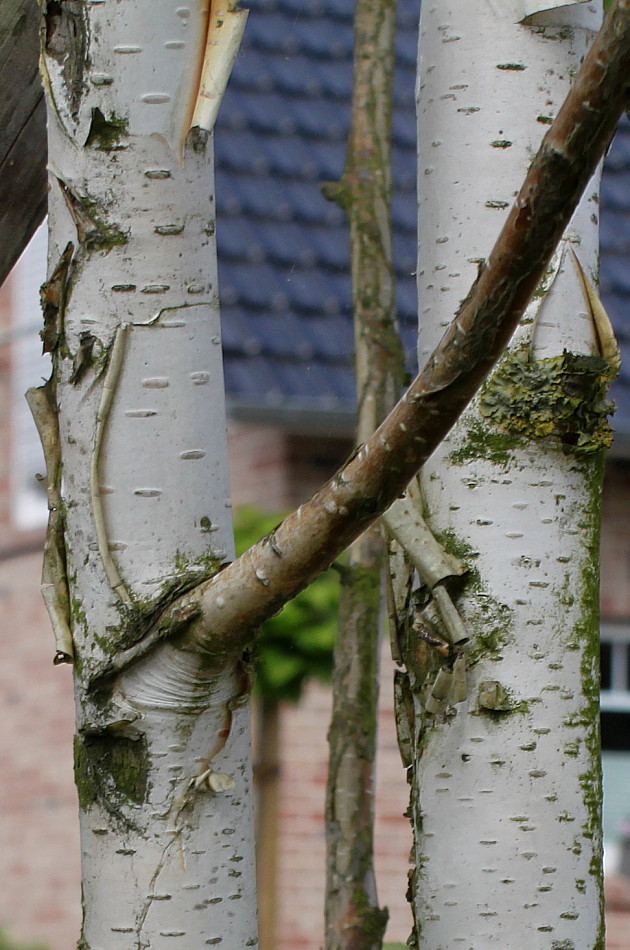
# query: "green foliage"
{"type": "Point", "coordinates": [298, 642]}
{"type": "Point", "coordinates": [7, 944]}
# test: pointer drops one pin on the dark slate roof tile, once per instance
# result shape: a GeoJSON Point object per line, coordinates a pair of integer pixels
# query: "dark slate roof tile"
{"type": "Point", "coordinates": [306, 384]}
{"type": "Point", "coordinates": [618, 309]}
{"type": "Point", "coordinates": [616, 191]}
{"type": "Point", "coordinates": [259, 287]}
{"type": "Point", "coordinates": [618, 158]}
{"type": "Point", "coordinates": [253, 285]}
{"type": "Point", "coordinates": [615, 276]}
{"type": "Point", "coordinates": [284, 115]}
{"type": "Point", "coordinates": [406, 300]}
{"type": "Point", "coordinates": [329, 247]}
{"type": "Point", "coordinates": [615, 232]}
{"type": "Point", "coordinates": [274, 200]}
{"type": "Point", "coordinates": [331, 337]}
{"type": "Point", "coordinates": [284, 335]}
{"type": "Point", "coordinates": [283, 249]}
{"type": "Point", "coordinates": [406, 46]}
{"type": "Point", "coordinates": [282, 156]}
{"type": "Point", "coordinates": [404, 133]}
{"type": "Point", "coordinates": [335, 10]}
{"type": "Point", "coordinates": [281, 32]}
{"type": "Point", "coordinates": [404, 211]}
{"type": "Point", "coordinates": [619, 394]}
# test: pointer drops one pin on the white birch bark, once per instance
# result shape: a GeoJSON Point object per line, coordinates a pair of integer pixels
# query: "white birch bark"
{"type": "Point", "coordinates": [506, 789]}
{"type": "Point", "coordinates": [162, 751]}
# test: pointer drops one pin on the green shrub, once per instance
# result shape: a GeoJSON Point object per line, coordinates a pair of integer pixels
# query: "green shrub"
{"type": "Point", "coordinates": [7, 944]}
{"type": "Point", "coordinates": [298, 642]}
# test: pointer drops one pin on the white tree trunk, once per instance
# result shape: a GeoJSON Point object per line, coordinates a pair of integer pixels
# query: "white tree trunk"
{"type": "Point", "coordinates": [506, 790]}
{"type": "Point", "coordinates": [132, 322]}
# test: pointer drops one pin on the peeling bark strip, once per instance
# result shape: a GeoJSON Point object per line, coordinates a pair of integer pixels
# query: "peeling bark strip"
{"type": "Point", "coordinates": [265, 577]}
{"type": "Point", "coordinates": [66, 42]}
{"type": "Point", "coordinates": [354, 920]}
{"type": "Point", "coordinates": [54, 586]}
{"type": "Point", "coordinates": [225, 32]}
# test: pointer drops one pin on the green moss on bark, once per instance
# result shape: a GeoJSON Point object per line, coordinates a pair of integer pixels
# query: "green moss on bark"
{"type": "Point", "coordinates": [105, 133]}
{"type": "Point", "coordinates": [111, 769]}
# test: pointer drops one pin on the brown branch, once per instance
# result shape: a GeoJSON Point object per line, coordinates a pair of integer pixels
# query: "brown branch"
{"type": "Point", "coordinates": [254, 587]}
{"type": "Point", "coordinates": [354, 920]}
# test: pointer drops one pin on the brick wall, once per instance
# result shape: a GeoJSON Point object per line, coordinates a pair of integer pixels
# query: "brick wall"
{"type": "Point", "coordinates": [39, 839]}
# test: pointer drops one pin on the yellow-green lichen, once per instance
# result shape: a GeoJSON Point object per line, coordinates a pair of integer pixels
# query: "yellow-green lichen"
{"type": "Point", "coordinates": [560, 400]}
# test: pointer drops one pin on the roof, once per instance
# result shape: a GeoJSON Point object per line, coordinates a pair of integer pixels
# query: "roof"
{"type": "Point", "coordinates": [615, 263]}
{"type": "Point", "coordinates": [283, 249]}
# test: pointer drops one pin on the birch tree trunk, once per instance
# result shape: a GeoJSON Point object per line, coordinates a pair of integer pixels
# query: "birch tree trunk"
{"type": "Point", "coordinates": [141, 489]}
{"type": "Point", "coordinates": [506, 786]}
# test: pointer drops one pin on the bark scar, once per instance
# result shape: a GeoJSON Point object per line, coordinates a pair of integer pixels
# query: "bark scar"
{"type": "Point", "coordinates": [226, 25]}
{"type": "Point", "coordinates": [54, 585]}
{"type": "Point", "coordinates": [218, 781]}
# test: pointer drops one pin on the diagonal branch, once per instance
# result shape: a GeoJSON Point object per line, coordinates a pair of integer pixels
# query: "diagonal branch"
{"type": "Point", "coordinates": [237, 599]}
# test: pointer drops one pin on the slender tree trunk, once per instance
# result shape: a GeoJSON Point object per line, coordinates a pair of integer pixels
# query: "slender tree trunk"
{"type": "Point", "coordinates": [354, 920]}
{"type": "Point", "coordinates": [267, 786]}
{"type": "Point", "coordinates": [506, 788]}
{"type": "Point", "coordinates": [131, 319]}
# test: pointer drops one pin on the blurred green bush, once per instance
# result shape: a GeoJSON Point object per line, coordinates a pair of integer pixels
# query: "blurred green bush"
{"type": "Point", "coordinates": [298, 642]}
{"type": "Point", "coordinates": [7, 944]}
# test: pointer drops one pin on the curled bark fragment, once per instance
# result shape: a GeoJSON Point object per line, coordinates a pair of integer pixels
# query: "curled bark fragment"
{"type": "Point", "coordinates": [404, 521]}
{"type": "Point", "coordinates": [604, 332]}
{"type": "Point", "coordinates": [53, 296]}
{"type": "Point", "coordinates": [54, 585]}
